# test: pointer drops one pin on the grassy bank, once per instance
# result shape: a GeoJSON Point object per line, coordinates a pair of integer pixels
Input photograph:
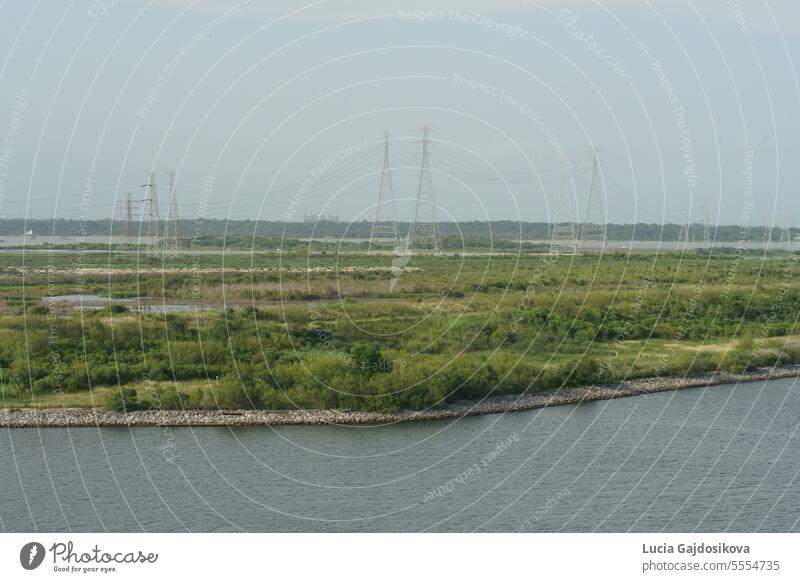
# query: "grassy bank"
{"type": "Point", "coordinates": [365, 332]}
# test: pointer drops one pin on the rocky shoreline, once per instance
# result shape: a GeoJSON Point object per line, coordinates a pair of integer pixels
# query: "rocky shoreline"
{"type": "Point", "coordinates": [94, 417]}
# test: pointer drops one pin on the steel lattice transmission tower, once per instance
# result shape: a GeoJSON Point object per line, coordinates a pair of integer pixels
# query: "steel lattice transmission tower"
{"type": "Point", "coordinates": [786, 233]}
{"type": "Point", "coordinates": [125, 232]}
{"type": "Point", "coordinates": [593, 231]}
{"type": "Point", "coordinates": [423, 233]}
{"type": "Point", "coordinates": [151, 199]}
{"type": "Point", "coordinates": [706, 226]}
{"type": "Point", "coordinates": [563, 237]}
{"type": "Point", "coordinates": [683, 235]}
{"type": "Point", "coordinates": [385, 231]}
{"type": "Point", "coordinates": [171, 226]}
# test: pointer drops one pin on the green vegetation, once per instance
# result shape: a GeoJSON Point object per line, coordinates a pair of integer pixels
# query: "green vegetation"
{"type": "Point", "coordinates": [243, 233]}
{"type": "Point", "coordinates": [313, 328]}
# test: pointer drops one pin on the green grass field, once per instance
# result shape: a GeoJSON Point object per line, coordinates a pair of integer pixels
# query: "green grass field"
{"type": "Point", "coordinates": [313, 327]}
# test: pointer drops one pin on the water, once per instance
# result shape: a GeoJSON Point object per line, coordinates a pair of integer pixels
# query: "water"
{"type": "Point", "coordinates": [30, 243]}
{"type": "Point", "coordinates": [34, 241]}
{"type": "Point", "coordinates": [640, 245]}
{"type": "Point", "coordinates": [79, 298]}
{"type": "Point", "coordinates": [92, 302]}
{"type": "Point", "coordinates": [631, 244]}
{"type": "Point", "coordinates": [716, 459]}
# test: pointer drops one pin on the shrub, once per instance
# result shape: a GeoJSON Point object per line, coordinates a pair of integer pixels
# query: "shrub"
{"type": "Point", "coordinates": [738, 361]}
{"type": "Point", "coordinates": [368, 357]}
{"type": "Point", "coordinates": [588, 371]}
{"type": "Point", "coordinates": [124, 400]}
{"type": "Point", "coordinates": [168, 399]}
{"type": "Point", "coordinates": [231, 394]}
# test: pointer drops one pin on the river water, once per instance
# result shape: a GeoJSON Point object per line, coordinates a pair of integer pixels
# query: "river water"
{"type": "Point", "coordinates": [725, 458]}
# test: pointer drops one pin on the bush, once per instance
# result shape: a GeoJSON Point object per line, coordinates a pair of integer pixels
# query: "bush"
{"type": "Point", "coordinates": [124, 400]}
{"type": "Point", "coordinates": [587, 372]}
{"type": "Point", "coordinates": [737, 362]}
{"type": "Point", "coordinates": [368, 357]}
{"type": "Point", "coordinates": [168, 399]}
{"type": "Point", "coordinates": [231, 394]}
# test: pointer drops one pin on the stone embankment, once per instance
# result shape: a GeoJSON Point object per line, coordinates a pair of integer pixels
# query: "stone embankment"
{"type": "Point", "coordinates": [87, 417]}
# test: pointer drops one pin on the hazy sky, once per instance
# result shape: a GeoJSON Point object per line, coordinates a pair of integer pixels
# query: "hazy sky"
{"type": "Point", "coordinates": [687, 101]}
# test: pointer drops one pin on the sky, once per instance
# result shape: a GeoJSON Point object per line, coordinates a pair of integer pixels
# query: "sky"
{"type": "Point", "coordinates": [272, 110]}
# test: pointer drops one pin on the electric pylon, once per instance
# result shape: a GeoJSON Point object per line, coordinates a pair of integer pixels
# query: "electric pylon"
{"type": "Point", "coordinates": [563, 237]}
{"type": "Point", "coordinates": [171, 226]}
{"type": "Point", "coordinates": [385, 231]}
{"type": "Point", "coordinates": [593, 231]}
{"type": "Point", "coordinates": [786, 233]}
{"type": "Point", "coordinates": [151, 198]}
{"type": "Point", "coordinates": [768, 236]}
{"type": "Point", "coordinates": [683, 236]}
{"type": "Point", "coordinates": [125, 233]}
{"type": "Point", "coordinates": [706, 226]}
{"type": "Point", "coordinates": [423, 233]}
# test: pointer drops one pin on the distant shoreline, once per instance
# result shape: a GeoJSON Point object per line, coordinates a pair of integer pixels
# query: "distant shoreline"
{"type": "Point", "coordinates": [101, 417]}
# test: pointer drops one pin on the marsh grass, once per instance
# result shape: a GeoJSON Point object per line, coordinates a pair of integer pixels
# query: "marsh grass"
{"type": "Point", "coordinates": [463, 327]}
